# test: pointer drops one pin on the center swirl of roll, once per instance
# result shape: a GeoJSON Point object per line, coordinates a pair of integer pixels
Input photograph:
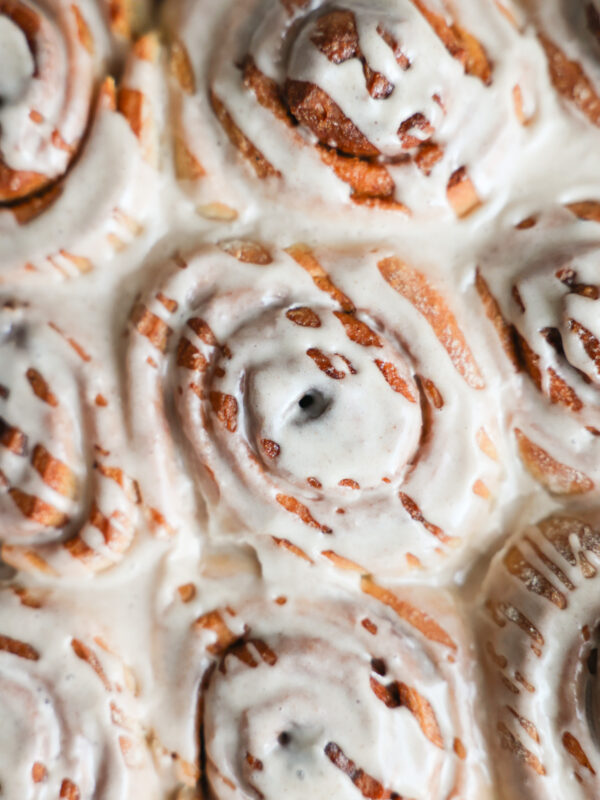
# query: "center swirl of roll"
{"type": "Point", "coordinates": [353, 81]}
{"type": "Point", "coordinates": [313, 403]}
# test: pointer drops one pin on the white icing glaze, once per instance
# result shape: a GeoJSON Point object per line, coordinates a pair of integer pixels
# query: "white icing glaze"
{"type": "Point", "coordinates": [304, 416]}
{"type": "Point", "coordinates": [97, 212]}
{"type": "Point", "coordinates": [322, 675]}
{"type": "Point", "coordinates": [17, 65]}
{"type": "Point", "coordinates": [479, 126]}
{"type": "Point", "coordinates": [345, 83]}
{"type": "Point", "coordinates": [125, 207]}
{"type": "Point", "coordinates": [43, 122]}
{"type": "Point", "coordinates": [540, 636]}
{"type": "Point", "coordinates": [69, 718]}
{"type": "Point", "coordinates": [560, 407]}
{"type": "Point", "coordinates": [67, 505]}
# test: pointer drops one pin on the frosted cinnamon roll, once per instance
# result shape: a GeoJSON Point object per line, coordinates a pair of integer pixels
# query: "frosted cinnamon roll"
{"type": "Point", "coordinates": [62, 121]}
{"type": "Point", "coordinates": [546, 311]}
{"type": "Point", "coordinates": [338, 699]}
{"type": "Point", "coordinates": [540, 635]}
{"type": "Point", "coordinates": [67, 505]}
{"type": "Point", "coordinates": [50, 66]}
{"type": "Point", "coordinates": [338, 101]}
{"type": "Point", "coordinates": [314, 396]}
{"type": "Point", "coordinates": [69, 727]}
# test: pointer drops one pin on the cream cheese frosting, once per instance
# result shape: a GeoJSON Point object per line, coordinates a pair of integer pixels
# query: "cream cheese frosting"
{"type": "Point", "coordinates": [277, 393]}
{"type": "Point", "coordinates": [545, 314]}
{"type": "Point", "coordinates": [332, 413]}
{"type": "Point", "coordinates": [325, 689]}
{"type": "Point", "coordinates": [55, 52]}
{"type": "Point", "coordinates": [540, 632]}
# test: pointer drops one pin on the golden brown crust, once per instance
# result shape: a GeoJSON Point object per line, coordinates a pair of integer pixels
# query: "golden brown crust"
{"type": "Point", "coordinates": [556, 477]}
{"type": "Point", "coordinates": [313, 107]}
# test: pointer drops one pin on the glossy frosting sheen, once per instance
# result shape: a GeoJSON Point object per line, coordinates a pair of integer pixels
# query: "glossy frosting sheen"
{"type": "Point", "coordinates": [299, 399]}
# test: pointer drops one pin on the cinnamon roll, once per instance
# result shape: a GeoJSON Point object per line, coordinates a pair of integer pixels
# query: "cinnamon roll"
{"type": "Point", "coordinates": [62, 121]}
{"type": "Point", "coordinates": [313, 396]}
{"type": "Point", "coordinates": [339, 102]}
{"type": "Point", "coordinates": [545, 310]}
{"type": "Point", "coordinates": [540, 635]}
{"type": "Point", "coordinates": [67, 504]}
{"type": "Point", "coordinates": [69, 726]}
{"type": "Point", "coordinates": [338, 699]}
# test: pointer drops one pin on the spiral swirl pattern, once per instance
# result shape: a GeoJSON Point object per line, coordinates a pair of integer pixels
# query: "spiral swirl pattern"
{"type": "Point", "coordinates": [266, 527]}
{"type": "Point", "coordinates": [541, 640]}
{"type": "Point", "coordinates": [308, 417]}
{"type": "Point", "coordinates": [61, 118]}
{"type": "Point", "coordinates": [545, 311]}
{"type": "Point", "coordinates": [67, 505]}
{"type": "Point", "coordinates": [69, 732]}
{"type": "Point", "coordinates": [338, 699]}
{"type": "Point", "coordinates": [342, 97]}
{"type": "Point", "coordinates": [42, 126]}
